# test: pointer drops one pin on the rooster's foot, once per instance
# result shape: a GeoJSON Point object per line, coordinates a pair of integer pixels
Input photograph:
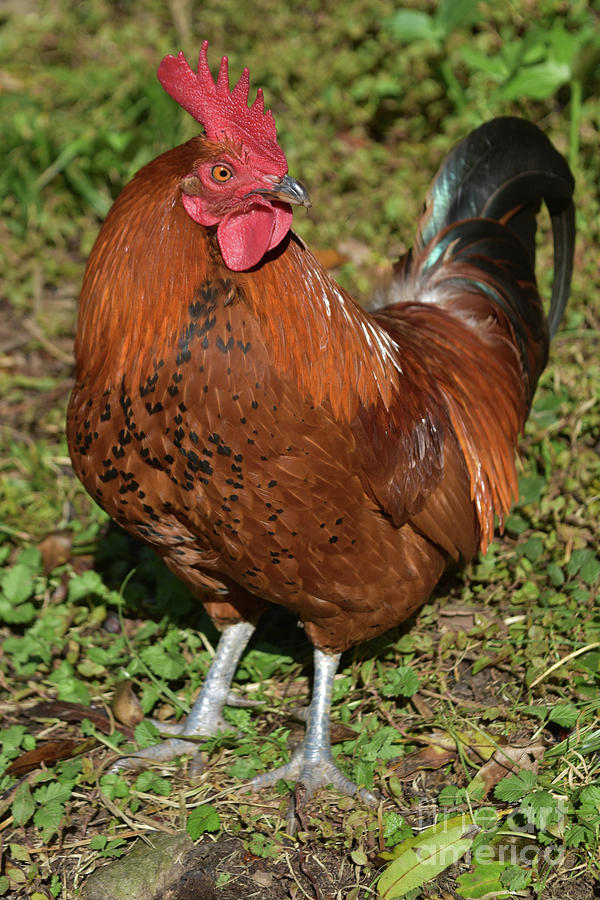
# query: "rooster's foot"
{"type": "Point", "coordinates": [312, 763]}
{"type": "Point", "coordinates": [206, 716]}
{"type": "Point", "coordinates": [313, 772]}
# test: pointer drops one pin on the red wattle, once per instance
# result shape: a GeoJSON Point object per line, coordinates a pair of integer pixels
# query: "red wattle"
{"type": "Point", "coordinates": [245, 237]}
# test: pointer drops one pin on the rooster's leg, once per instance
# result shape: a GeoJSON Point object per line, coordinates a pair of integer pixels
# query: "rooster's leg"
{"type": "Point", "coordinates": [206, 716]}
{"type": "Point", "coordinates": [312, 762]}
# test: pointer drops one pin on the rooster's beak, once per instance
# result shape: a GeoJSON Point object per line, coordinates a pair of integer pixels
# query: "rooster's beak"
{"type": "Point", "coordinates": [288, 190]}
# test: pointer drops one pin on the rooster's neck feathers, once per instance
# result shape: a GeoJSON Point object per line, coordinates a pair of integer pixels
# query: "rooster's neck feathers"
{"type": "Point", "coordinates": [317, 333]}
{"type": "Point", "coordinates": [311, 328]}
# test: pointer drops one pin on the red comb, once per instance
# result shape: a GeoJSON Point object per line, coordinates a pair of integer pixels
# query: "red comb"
{"type": "Point", "coordinates": [222, 112]}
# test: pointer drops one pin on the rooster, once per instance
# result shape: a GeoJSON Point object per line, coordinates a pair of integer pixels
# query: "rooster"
{"type": "Point", "coordinates": [238, 411]}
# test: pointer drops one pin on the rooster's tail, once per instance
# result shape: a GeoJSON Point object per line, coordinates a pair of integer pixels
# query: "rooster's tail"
{"type": "Point", "coordinates": [502, 171]}
{"type": "Point", "coordinates": [468, 290]}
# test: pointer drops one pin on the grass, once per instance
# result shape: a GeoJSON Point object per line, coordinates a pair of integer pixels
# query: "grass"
{"type": "Point", "coordinates": [503, 661]}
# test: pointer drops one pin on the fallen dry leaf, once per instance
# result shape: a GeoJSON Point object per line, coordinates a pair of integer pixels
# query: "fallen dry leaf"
{"type": "Point", "coordinates": [47, 753]}
{"type": "Point", "coordinates": [421, 706]}
{"type": "Point", "coordinates": [75, 712]}
{"type": "Point", "coordinates": [440, 750]}
{"type": "Point", "coordinates": [427, 758]}
{"type": "Point", "coordinates": [454, 617]}
{"type": "Point", "coordinates": [126, 706]}
{"type": "Point", "coordinates": [55, 549]}
{"type": "Point", "coordinates": [504, 761]}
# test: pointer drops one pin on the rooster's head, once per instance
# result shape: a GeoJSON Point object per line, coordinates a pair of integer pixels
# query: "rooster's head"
{"type": "Point", "coordinates": [239, 181]}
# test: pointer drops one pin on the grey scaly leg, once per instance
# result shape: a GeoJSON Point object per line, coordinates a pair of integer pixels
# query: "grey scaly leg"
{"type": "Point", "coordinates": [312, 762]}
{"type": "Point", "coordinates": [206, 715]}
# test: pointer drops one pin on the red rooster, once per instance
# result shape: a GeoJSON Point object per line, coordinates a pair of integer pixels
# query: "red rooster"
{"type": "Point", "coordinates": [275, 443]}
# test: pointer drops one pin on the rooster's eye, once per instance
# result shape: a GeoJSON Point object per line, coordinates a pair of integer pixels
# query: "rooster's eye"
{"type": "Point", "coordinates": [221, 173]}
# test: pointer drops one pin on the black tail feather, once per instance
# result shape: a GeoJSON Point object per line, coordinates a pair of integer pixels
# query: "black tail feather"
{"type": "Point", "coordinates": [562, 216]}
{"type": "Point", "coordinates": [502, 171]}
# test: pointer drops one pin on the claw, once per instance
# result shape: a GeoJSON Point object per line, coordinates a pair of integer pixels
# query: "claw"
{"type": "Point", "coordinates": [168, 727]}
{"type": "Point", "coordinates": [314, 775]}
{"type": "Point", "coordinates": [163, 752]}
{"type": "Point", "coordinates": [241, 702]}
{"type": "Point", "coordinates": [312, 762]}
